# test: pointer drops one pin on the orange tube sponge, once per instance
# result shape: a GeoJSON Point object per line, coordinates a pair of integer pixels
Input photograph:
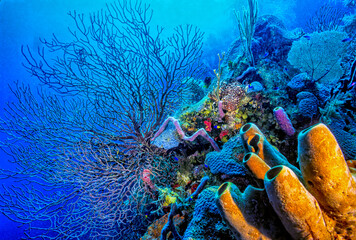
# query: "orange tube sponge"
{"type": "Point", "coordinates": [246, 212]}
{"type": "Point", "coordinates": [254, 141]}
{"type": "Point", "coordinates": [296, 207]}
{"type": "Point", "coordinates": [256, 165]}
{"type": "Point", "coordinates": [327, 175]}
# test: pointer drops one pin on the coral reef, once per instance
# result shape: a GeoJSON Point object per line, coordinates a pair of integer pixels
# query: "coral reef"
{"type": "Point", "coordinates": [154, 231]}
{"type": "Point", "coordinates": [263, 194]}
{"type": "Point", "coordinates": [152, 135]}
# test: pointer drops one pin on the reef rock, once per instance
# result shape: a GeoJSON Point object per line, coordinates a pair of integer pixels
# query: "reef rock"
{"type": "Point", "coordinates": [207, 223]}
{"type": "Point", "coordinates": [272, 39]}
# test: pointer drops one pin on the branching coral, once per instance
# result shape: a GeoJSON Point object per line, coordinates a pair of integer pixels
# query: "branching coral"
{"type": "Point", "coordinates": [332, 107]}
{"type": "Point", "coordinates": [246, 25]}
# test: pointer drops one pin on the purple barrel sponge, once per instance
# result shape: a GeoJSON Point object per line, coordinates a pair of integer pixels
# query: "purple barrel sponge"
{"type": "Point", "coordinates": [283, 121]}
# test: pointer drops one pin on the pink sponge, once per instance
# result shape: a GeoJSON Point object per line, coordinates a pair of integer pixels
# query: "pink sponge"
{"type": "Point", "coordinates": [283, 121]}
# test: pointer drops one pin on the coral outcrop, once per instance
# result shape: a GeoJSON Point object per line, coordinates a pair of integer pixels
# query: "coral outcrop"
{"type": "Point", "coordinates": [206, 222]}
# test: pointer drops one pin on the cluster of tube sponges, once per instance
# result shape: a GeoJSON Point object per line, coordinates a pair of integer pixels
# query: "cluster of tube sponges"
{"type": "Point", "coordinates": [317, 201]}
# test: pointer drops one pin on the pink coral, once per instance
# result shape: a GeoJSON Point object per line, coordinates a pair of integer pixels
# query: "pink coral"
{"type": "Point", "coordinates": [207, 125]}
{"type": "Point", "coordinates": [201, 132]}
{"type": "Point", "coordinates": [223, 133]}
{"type": "Point", "coordinates": [146, 178]}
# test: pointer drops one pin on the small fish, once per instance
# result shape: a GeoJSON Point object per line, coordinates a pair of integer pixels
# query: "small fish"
{"type": "Point", "coordinates": [207, 82]}
{"type": "Point", "coordinates": [276, 88]}
{"type": "Point", "coordinates": [175, 158]}
{"type": "Point", "coordinates": [346, 40]}
{"type": "Point", "coordinates": [352, 84]}
{"type": "Point", "coordinates": [266, 54]}
{"type": "Point", "coordinates": [205, 165]}
{"type": "Point", "coordinates": [307, 37]}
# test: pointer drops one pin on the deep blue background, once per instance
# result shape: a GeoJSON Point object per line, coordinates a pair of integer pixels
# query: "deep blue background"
{"type": "Point", "coordinates": [23, 22]}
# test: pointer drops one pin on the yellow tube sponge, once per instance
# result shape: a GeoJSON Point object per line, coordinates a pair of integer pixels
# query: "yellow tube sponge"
{"type": "Point", "coordinates": [327, 176]}
{"type": "Point", "coordinates": [256, 165]}
{"type": "Point", "coordinates": [296, 207]}
{"type": "Point", "coordinates": [245, 213]}
{"type": "Point", "coordinates": [254, 141]}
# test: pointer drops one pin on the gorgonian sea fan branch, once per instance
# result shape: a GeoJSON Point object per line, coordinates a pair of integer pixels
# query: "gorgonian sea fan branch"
{"type": "Point", "coordinates": [86, 133]}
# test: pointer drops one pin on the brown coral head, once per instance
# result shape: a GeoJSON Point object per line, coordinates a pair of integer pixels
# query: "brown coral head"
{"type": "Point", "coordinates": [231, 95]}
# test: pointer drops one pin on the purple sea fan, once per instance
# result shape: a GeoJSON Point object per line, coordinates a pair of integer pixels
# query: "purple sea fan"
{"type": "Point", "coordinates": [283, 121]}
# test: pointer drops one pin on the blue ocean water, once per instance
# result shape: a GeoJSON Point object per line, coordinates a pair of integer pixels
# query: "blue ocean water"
{"type": "Point", "coordinates": [90, 123]}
